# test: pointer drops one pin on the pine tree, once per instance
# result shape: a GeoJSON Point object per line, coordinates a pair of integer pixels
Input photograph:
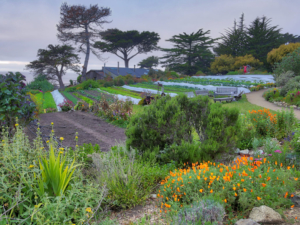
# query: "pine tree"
{"type": "Point", "coordinates": [233, 41]}
{"type": "Point", "coordinates": [190, 53]}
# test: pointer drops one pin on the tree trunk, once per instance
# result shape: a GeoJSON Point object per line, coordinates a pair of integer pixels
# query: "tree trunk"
{"type": "Point", "coordinates": [126, 60]}
{"type": "Point", "coordinates": [87, 55]}
{"type": "Point", "coordinates": [61, 84]}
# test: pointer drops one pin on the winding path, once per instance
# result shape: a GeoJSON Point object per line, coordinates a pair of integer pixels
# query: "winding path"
{"type": "Point", "coordinates": [256, 98]}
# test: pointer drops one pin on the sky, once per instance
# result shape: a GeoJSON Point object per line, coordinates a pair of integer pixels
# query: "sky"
{"type": "Point", "coordinates": [29, 25]}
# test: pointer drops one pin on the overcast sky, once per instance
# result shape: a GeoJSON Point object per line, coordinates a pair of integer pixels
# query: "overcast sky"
{"type": "Point", "coordinates": [29, 25]}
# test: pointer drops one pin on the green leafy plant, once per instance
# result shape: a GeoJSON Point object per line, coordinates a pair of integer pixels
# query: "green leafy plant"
{"type": "Point", "coordinates": [55, 175]}
{"type": "Point", "coordinates": [13, 101]}
{"type": "Point", "coordinates": [66, 105]}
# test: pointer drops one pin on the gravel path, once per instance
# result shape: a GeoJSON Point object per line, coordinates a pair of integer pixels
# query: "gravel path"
{"type": "Point", "coordinates": [256, 98]}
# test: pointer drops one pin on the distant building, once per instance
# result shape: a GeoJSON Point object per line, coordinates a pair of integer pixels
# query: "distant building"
{"type": "Point", "coordinates": [95, 75]}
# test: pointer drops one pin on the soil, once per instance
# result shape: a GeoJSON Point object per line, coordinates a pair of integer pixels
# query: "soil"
{"type": "Point", "coordinates": [90, 128]}
{"type": "Point", "coordinates": [256, 98]}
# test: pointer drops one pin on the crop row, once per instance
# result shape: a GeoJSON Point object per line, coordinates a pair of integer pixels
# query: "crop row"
{"type": "Point", "coordinates": [121, 91]}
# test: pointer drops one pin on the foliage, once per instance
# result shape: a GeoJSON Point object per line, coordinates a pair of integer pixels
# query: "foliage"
{"type": "Point", "coordinates": [70, 97]}
{"type": "Point", "coordinates": [277, 54]}
{"type": "Point", "coordinates": [86, 99]}
{"type": "Point", "coordinates": [222, 64]}
{"type": "Point", "coordinates": [55, 176]}
{"type": "Point", "coordinates": [83, 152]}
{"type": "Point", "coordinates": [85, 85]}
{"type": "Point", "coordinates": [261, 38]}
{"type": "Point", "coordinates": [18, 195]}
{"type": "Point", "coordinates": [13, 100]}
{"type": "Point", "coordinates": [241, 187]}
{"type": "Point", "coordinates": [247, 133]}
{"type": "Point", "coordinates": [271, 94]}
{"type": "Point", "coordinates": [262, 86]}
{"type": "Point", "coordinates": [79, 79]}
{"type": "Point", "coordinates": [225, 63]}
{"type": "Point", "coordinates": [121, 91]}
{"type": "Point", "coordinates": [233, 41]}
{"type": "Point", "coordinates": [121, 43]}
{"type": "Point", "coordinates": [38, 104]}
{"type": "Point", "coordinates": [291, 85]}
{"type": "Point", "coordinates": [163, 130]}
{"type": "Point", "coordinates": [291, 62]}
{"type": "Point", "coordinates": [201, 212]}
{"type": "Point", "coordinates": [40, 82]}
{"type": "Point", "coordinates": [151, 61]}
{"type": "Point", "coordinates": [66, 105]}
{"type": "Point", "coordinates": [191, 52]}
{"type": "Point", "coordinates": [84, 21]}
{"type": "Point", "coordinates": [54, 62]}
{"type": "Point", "coordinates": [161, 124]}
{"type": "Point", "coordinates": [129, 179]}
{"type": "Point", "coordinates": [45, 100]}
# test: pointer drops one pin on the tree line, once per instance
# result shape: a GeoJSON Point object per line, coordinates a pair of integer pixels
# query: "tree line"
{"type": "Point", "coordinates": [190, 53]}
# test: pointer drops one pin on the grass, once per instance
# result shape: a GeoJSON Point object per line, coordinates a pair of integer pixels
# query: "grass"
{"type": "Point", "coordinates": [48, 100]}
{"type": "Point", "coordinates": [244, 106]}
{"type": "Point", "coordinates": [70, 97]}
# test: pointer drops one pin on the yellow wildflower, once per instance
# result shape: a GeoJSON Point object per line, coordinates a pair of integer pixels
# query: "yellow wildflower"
{"type": "Point", "coordinates": [61, 138]}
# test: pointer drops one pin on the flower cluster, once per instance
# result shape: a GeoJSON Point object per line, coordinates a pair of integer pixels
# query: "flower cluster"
{"type": "Point", "coordinates": [243, 184]}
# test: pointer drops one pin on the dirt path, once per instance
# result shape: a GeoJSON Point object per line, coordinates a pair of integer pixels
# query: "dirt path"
{"type": "Point", "coordinates": [90, 128]}
{"type": "Point", "coordinates": [256, 98]}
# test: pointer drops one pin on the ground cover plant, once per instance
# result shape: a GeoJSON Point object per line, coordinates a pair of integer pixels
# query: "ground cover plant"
{"type": "Point", "coordinates": [241, 186]}
{"type": "Point", "coordinates": [45, 100]}
{"type": "Point", "coordinates": [262, 86]}
{"type": "Point", "coordinates": [86, 99]}
{"type": "Point", "coordinates": [292, 97]}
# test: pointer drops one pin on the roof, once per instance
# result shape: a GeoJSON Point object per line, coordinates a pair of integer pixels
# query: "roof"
{"type": "Point", "coordinates": [137, 72]}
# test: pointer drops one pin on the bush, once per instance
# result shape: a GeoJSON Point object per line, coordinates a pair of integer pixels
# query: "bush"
{"type": "Point", "coordinates": [40, 83]}
{"type": "Point", "coordinates": [84, 152]}
{"type": "Point", "coordinates": [13, 101]}
{"type": "Point", "coordinates": [271, 94]}
{"type": "Point", "coordinates": [168, 122]}
{"type": "Point", "coordinates": [161, 124]}
{"type": "Point", "coordinates": [292, 84]}
{"type": "Point", "coordinates": [277, 54]}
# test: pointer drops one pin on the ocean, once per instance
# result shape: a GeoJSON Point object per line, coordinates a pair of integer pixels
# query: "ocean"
{"type": "Point", "coordinates": [29, 76]}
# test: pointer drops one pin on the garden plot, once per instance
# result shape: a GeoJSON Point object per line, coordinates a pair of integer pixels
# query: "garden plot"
{"type": "Point", "coordinates": [58, 98]}
{"type": "Point", "coordinates": [204, 87]}
{"type": "Point", "coordinates": [252, 78]}
{"type": "Point", "coordinates": [124, 98]}
{"type": "Point", "coordinates": [146, 90]}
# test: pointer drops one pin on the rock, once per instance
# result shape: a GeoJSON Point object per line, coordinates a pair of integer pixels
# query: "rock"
{"type": "Point", "coordinates": [296, 200]}
{"type": "Point", "coordinates": [246, 222]}
{"type": "Point", "coordinates": [259, 152]}
{"type": "Point", "coordinates": [237, 151]}
{"type": "Point", "coordinates": [153, 196]}
{"type": "Point", "coordinates": [245, 152]}
{"type": "Point", "coordinates": [294, 106]}
{"type": "Point", "coordinates": [265, 214]}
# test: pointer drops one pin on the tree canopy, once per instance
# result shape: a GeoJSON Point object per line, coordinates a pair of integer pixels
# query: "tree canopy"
{"type": "Point", "coordinates": [54, 62]}
{"type": "Point", "coordinates": [123, 43]}
{"type": "Point", "coordinates": [233, 42]}
{"type": "Point", "coordinates": [277, 54]}
{"type": "Point", "coordinates": [84, 22]}
{"type": "Point", "coordinates": [190, 52]}
{"type": "Point", "coordinates": [262, 38]}
{"type": "Point", "coordinates": [149, 62]}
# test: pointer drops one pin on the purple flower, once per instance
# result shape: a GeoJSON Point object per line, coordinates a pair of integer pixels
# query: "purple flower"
{"type": "Point", "coordinates": [258, 159]}
{"type": "Point", "coordinates": [270, 155]}
{"type": "Point", "coordinates": [278, 151]}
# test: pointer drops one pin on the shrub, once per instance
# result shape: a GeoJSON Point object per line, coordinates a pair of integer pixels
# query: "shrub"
{"type": "Point", "coordinates": [277, 54]}
{"type": "Point", "coordinates": [271, 94]}
{"type": "Point", "coordinates": [292, 84]}
{"type": "Point", "coordinates": [84, 152]}
{"type": "Point", "coordinates": [13, 101]}
{"type": "Point", "coordinates": [161, 124]}
{"type": "Point", "coordinates": [66, 105]}
{"type": "Point", "coordinates": [247, 133]}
